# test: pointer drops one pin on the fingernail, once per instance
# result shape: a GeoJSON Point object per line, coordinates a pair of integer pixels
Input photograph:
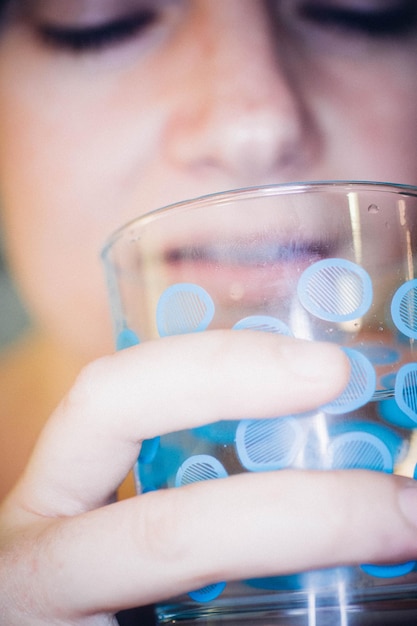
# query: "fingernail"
{"type": "Point", "coordinates": [408, 501]}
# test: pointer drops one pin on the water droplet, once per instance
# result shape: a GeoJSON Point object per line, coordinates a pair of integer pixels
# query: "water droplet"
{"type": "Point", "coordinates": [373, 208]}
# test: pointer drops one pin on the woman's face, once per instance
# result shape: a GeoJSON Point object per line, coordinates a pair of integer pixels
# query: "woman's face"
{"type": "Point", "coordinates": [110, 108]}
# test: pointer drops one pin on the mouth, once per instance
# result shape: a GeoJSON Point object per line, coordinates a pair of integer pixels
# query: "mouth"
{"type": "Point", "coordinates": [259, 274]}
{"type": "Point", "coordinates": [250, 253]}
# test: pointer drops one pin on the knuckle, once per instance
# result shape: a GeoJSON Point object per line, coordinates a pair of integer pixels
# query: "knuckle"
{"type": "Point", "coordinates": [93, 376]}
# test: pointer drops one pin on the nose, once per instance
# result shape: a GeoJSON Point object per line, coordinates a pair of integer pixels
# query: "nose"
{"type": "Point", "coordinates": [241, 113]}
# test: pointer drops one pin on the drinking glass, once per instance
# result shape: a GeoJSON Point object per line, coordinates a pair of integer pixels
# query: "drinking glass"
{"type": "Point", "coordinates": [328, 261]}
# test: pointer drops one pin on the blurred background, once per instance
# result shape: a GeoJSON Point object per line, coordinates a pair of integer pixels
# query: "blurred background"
{"type": "Point", "coordinates": [13, 318]}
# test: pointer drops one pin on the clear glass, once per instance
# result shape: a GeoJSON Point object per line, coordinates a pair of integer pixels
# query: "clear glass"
{"type": "Point", "coordinates": [332, 261]}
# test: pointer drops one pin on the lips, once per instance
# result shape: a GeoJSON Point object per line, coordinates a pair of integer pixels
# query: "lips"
{"type": "Point", "coordinates": [257, 275]}
{"type": "Point", "coordinates": [246, 253]}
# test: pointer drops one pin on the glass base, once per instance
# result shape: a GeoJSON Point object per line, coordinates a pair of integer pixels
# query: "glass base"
{"type": "Point", "coordinates": [397, 608]}
{"type": "Point", "coordinates": [355, 616]}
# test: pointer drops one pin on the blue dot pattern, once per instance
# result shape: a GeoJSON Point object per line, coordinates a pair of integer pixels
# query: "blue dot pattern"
{"type": "Point", "coordinates": [199, 467]}
{"type": "Point", "coordinates": [335, 290]}
{"type": "Point", "coordinates": [127, 338]}
{"type": "Point", "coordinates": [184, 308]}
{"type": "Point", "coordinates": [360, 450]}
{"type": "Point", "coordinates": [195, 469]}
{"type": "Point", "coordinates": [361, 386]}
{"type": "Point", "coordinates": [332, 290]}
{"type": "Point", "coordinates": [264, 323]}
{"type": "Point", "coordinates": [208, 593]}
{"type": "Point", "coordinates": [268, 444]}
{"type": "Point", "coordinates": [404, 309]}
{"type": "Point", "coordinates": [406, 390]}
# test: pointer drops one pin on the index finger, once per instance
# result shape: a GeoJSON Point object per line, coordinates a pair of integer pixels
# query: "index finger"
{"type": "Point", "coordinates": [93, 438]}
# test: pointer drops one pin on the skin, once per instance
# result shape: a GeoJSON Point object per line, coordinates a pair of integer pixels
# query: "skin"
{"type": "Point", "coordinates": [218, 98]}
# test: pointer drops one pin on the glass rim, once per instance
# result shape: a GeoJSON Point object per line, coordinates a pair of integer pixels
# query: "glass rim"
{"type": "Point", "coordinates": [278, 189]}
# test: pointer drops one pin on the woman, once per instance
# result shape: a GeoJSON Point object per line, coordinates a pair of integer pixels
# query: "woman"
{"type": "Point", "coordinates": [110, 109]}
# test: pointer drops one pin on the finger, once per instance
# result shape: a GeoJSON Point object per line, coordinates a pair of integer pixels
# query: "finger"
{"type": "Point", "coordinates": [93, 439]}
{"type": "Point", "coordinates": [155, 546]}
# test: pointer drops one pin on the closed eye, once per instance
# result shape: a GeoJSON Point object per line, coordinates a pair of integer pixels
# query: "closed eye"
{"type": "Point", "coordinates": [79, 39]}
{"type": "Point", "coordinates": [399, 19]}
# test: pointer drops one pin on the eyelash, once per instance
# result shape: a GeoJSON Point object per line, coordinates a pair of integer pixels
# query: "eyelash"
{"type": "Point", "coordinates": [391, 22]}
{"type": "Point", "coordinates": [97, 38]}
{"type": "Point", "coordinates": [375, 24]}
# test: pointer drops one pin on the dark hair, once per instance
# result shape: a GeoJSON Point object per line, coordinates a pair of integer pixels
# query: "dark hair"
{"type": "Point", "coordinates": [4, 5]}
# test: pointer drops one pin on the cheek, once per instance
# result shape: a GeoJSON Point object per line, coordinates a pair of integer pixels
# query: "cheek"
{"type": "Point", "coordinates": [62, 281]}
{"type": "Point", "coordinates": [370, 119]}
{"type": "Point", "coordinates": [65, 188]}
{"type": "Point", "coordinates": [389, 136]}
{"type": "Point", "coordinates": [58, 209]}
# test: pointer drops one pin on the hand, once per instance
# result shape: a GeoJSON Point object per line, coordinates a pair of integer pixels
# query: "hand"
{"type": "Point", "coordinates": [71, 555]}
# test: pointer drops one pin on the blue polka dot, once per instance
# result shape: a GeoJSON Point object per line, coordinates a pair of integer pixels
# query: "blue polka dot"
{"type": "Point", "coordinates": [264, 323]}
{"type": "Point", "coordinates": [406, 390]}
{"type": "Point", "coordinates": [360, 388]}
{"type": "Point", "coordinates": [335, 290]}
{"type": "Point", "coordinates": [184, 308]}
{"type": "Point", "coordinates": [126, 339]}
{"type": "Point", "coordinates": [207, 594]}
{"type": "Point", "coordinates": [389, 571]}
{"type": "Point", "coordinates": [404, 308]}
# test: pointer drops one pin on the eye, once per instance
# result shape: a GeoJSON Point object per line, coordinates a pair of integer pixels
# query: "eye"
{"type": "Point", "coordinates": [79, 39]}
{"type": "Point", "coordinates": [397, 19]}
